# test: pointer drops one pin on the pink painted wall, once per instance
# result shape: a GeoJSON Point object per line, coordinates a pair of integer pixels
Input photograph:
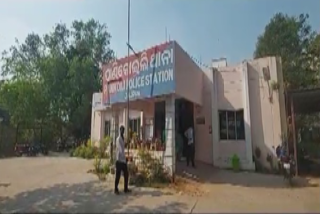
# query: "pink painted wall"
{"type": "Point", "coordinates": [229, 86]}
{"type": "Point", "coordinates": [203, 137]}
{"type": "Point", "coordinates": [229, 82]}
{"type": "Point", "coordinates": [226, 88]}
{"type": "Point", "coordinates": [268, 122]}
{"type": "Point", "coordinates": [188, 76]}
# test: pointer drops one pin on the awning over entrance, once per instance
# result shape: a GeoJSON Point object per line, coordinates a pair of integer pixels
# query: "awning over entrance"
{"type": "Point", "coordinates": [305, 101]}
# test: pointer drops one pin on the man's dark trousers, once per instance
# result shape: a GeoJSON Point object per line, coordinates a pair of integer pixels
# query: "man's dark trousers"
{"type": "Point", "coordinates": [190, 154]}
{"type": "Point", "coordinates": [121, 167]}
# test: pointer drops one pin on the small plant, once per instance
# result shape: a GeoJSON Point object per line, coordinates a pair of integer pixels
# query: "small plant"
{"type": "Point", "coordinates": [71, 153]}
{"type": "Point", "coordinates": [104, 144]}
{"type": "Point", "coordinates": [132, 168]}
{"type": "Point", "coordinates": [145, 157]}
{"type": "Point", "coordinates": [97, 164]}
{"type": "Point", "coordinates": [149, 172]}
{"type": "Point", "coordinates": [274, 85]}
{"type": "Point", "coordinates": [89, 143]}
{"type": "Point", "coordinates": [75, 153]}
{"type": "Point", "coordinates": [89, 152]}
{"type": "Point", "coordinates": [82, 151]}
{"type": "Point", "coordinates": [106, 168]}
{"type": "Point", "coordinates": [101, 170]}
{"type": "Point", "coordinates": [235, 161]}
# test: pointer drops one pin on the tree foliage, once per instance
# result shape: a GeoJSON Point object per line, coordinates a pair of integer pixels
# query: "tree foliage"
{"type": "Point", "coordinates": [292, 38]}
{"type": "Point", "coordinates": [314, 54]}
{"type": "Point", "coordinates": [53, 77]}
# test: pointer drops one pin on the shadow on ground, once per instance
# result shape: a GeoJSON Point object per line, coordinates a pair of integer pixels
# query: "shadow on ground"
{"type": "Point", "coordinates": [85, 197]}
{"type": "Point", "coordinates": [50, 154]}
{"type": "Point", "coordinates": [208, 174]}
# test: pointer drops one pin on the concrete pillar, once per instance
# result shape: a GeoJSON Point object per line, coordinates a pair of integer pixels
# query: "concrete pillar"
{"type": "Point", "coordinates": [93, 127]}
{"type": "Point", "coordinates": [97, 127]}
{"type": "Point", "coordinates": [215, 118]}
{"type": "Point", "coordinates": [114, 125]}
{"type": "Point", "coordinates": [169, 154]}
{"type": "Point", "coordinates": [125, 120]}
{"type": "Point", "coordinates": [141, 125]}
{"type": "Point", "coordinates": [114, 133]}
{"type": "Point", "coordinates": [102, 124]}
{"type": "Point", "coordinates": [248, 163]}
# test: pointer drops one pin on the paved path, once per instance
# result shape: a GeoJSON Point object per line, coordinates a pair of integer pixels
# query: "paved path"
{"type": "Point", "coordinates": [61, 184]}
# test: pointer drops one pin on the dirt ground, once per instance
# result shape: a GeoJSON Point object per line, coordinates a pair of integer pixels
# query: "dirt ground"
{"type": "Point", "coordinates": [62, 184]}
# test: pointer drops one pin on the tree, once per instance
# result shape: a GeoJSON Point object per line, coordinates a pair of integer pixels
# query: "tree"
{"type": "Point", "coordinates": [314, 55]}
{"type": "Point", "coordinates": [23, 100]}
{"type": "Point", "coordinates": [291, 38]}
{"type": "Point", "coordinates": [4, 117]}
{"type": "Point", "coordinates": [54, 76]}
{"type": "Point", "coordinates": [74, 71]}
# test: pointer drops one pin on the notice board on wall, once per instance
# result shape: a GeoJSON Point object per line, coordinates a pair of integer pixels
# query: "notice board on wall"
{"type": "Point", "coordinates": [200, 120]}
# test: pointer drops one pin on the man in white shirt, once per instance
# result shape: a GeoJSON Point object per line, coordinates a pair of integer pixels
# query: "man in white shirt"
{"type": "Point", "coordinates": [121, 163]}
{"type": "Point", "coordinates": [190, 147]}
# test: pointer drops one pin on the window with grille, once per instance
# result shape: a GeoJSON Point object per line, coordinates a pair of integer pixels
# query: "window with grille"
{"type": "Point", "coordinates": [134, 125]}
{"type": "Point", "coordinates": [107, 128]}
{"type": "Point", "coordinates": [231, 125]}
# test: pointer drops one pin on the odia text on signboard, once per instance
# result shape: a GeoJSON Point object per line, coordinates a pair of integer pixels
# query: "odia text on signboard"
{"type": "Point", "coordinates": [151, 73]}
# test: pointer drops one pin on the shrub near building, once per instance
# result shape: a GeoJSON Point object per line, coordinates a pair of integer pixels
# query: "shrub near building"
{"type": "Point", "coordinates": [89, 151]}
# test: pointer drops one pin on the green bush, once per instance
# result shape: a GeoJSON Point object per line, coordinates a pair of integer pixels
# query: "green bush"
{"type": "Point", "coordinates": [76, 152]}
{"type": "Point", "coordinates": [97, 164]}
{"type": "Point", "coordinates": [83, 152]}
{"type": "Point", "coordinates": [235, 162]}
{"type": "Point", "coordinates": [150, 172]}
{"type": "Point", "coordinates": [89, 152]}
{"type": "Point", "coordinates": [106, 168]}
{"type": "Point", "coordinates": [72, 152]}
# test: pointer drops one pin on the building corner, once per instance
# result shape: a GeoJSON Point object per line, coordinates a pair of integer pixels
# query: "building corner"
{"type": "Point", "coordinates": [248, 163]}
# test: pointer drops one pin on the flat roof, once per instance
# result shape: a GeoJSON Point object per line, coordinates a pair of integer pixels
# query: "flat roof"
{"type": "Point", "coordinates": [305, 101]}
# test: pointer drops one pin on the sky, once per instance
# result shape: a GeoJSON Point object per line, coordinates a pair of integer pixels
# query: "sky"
{"type": "Point", "coordinates": [206, 29]}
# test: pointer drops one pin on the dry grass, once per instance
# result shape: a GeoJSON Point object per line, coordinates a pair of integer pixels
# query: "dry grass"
{"type": "Point", "coordinates": [186, 186]}
{"type": "Point", "coordinates": [181, 185]}
{"type": "Point", "coordinates": [101, 176]}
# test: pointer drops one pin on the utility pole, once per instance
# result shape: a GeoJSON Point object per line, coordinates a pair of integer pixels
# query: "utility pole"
{"type": "Point", "coordinates": [1, 119]}
{"type": "Point", "coordinates": [128, 100]}
{"type": "Point", "coordinates": [166, 34]}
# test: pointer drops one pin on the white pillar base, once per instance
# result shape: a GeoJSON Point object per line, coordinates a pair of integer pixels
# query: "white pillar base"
{"type": "Point", "coordinates": [169, 154]}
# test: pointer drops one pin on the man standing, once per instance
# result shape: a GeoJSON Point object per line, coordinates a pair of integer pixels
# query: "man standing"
{"type": "Point", "coordinates": [121, 163]}
{"type": "Point", "coordinates": [179, 143]}
{"type": "Point", "coordinates": [190, 147]}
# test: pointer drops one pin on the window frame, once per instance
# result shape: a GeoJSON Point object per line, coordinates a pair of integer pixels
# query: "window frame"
{"type": "Point", "coordinates": [234, 112]}
{"type": "Point", "coordinates": [107, 132]}
{"type": "Point", "coordinates": [135, 122]}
